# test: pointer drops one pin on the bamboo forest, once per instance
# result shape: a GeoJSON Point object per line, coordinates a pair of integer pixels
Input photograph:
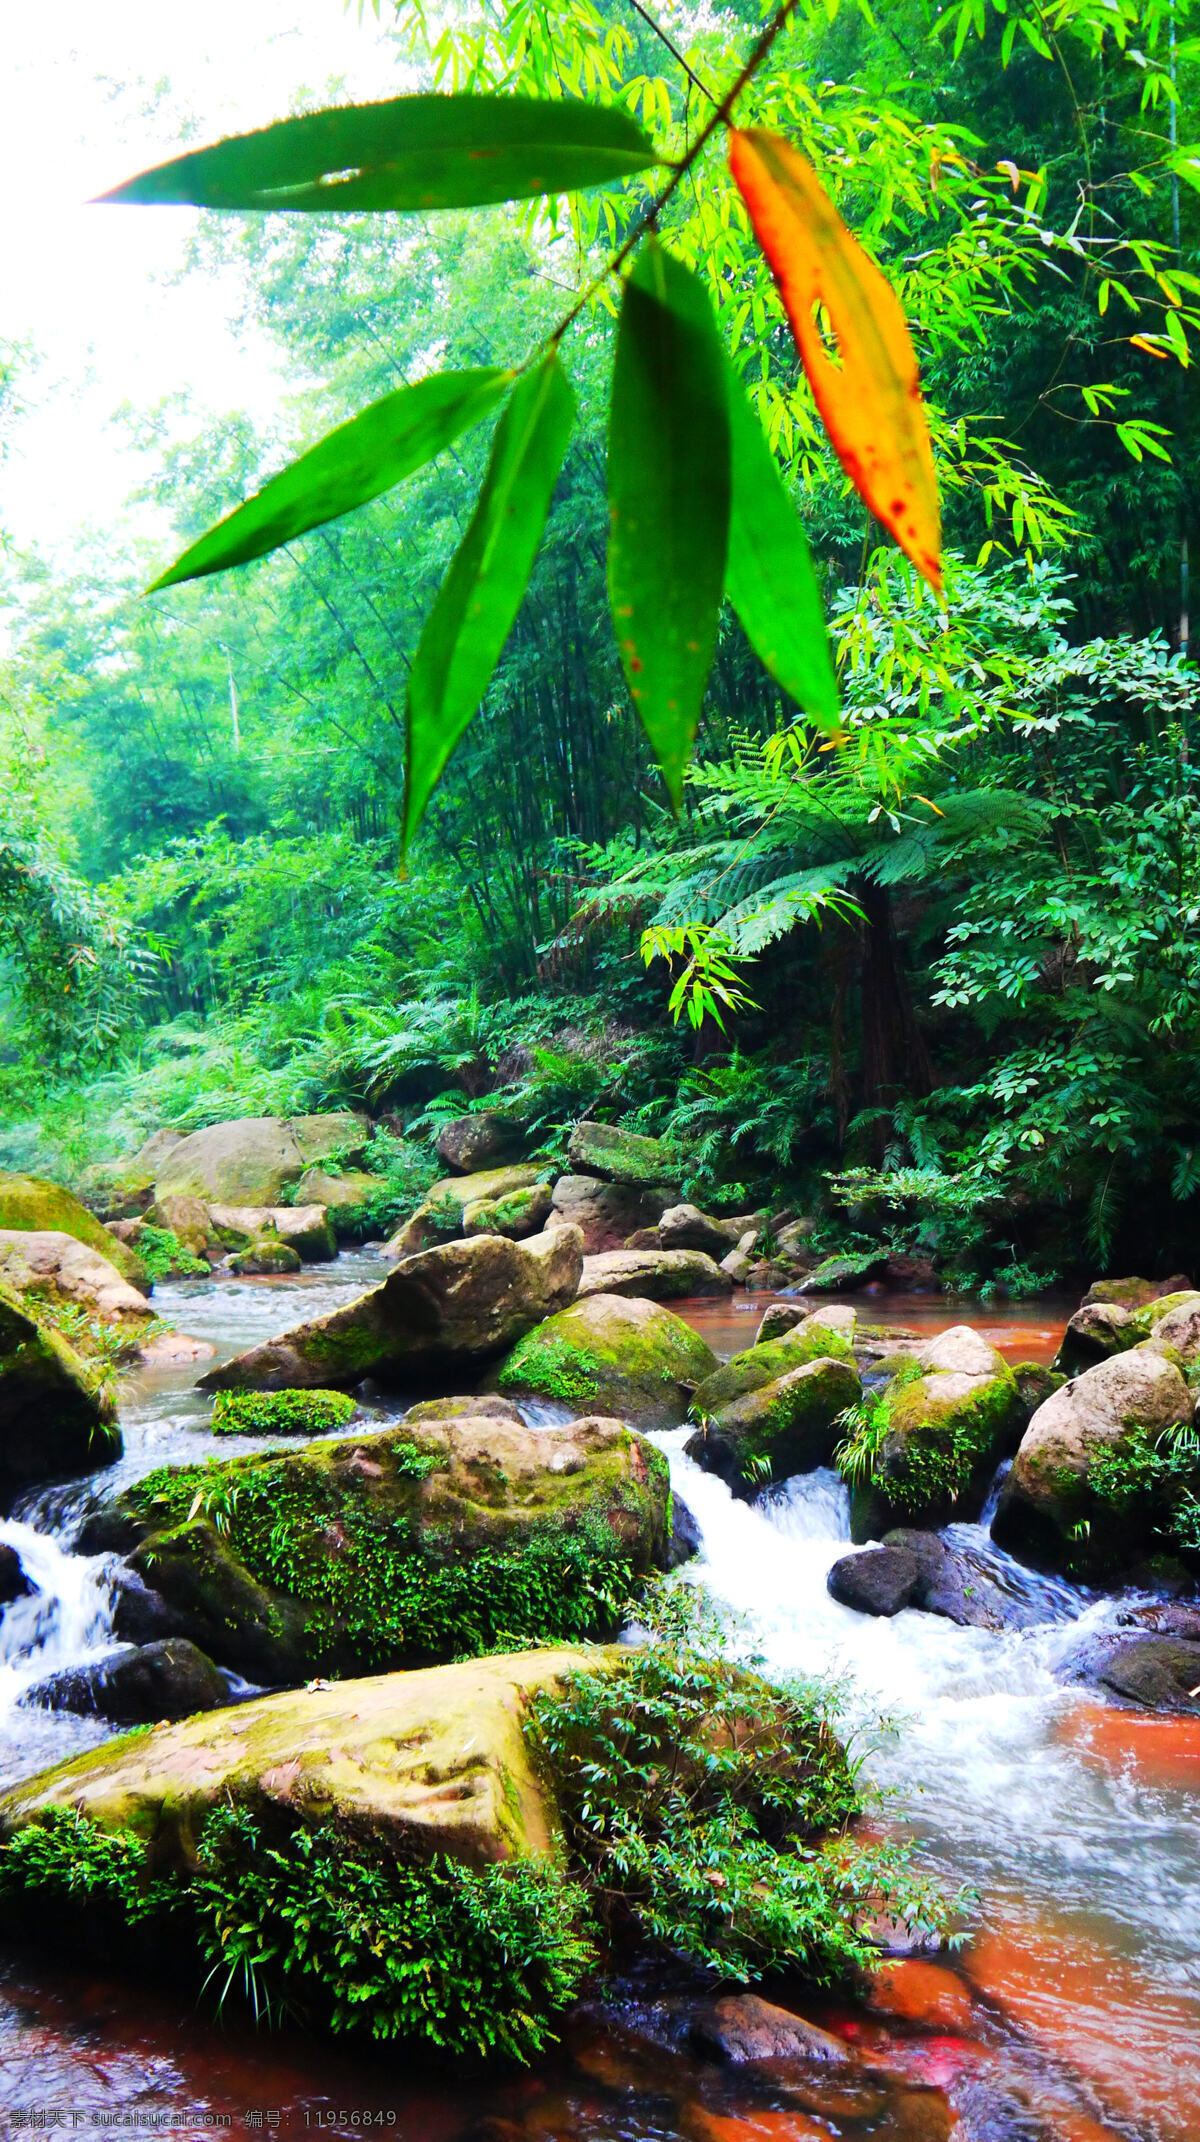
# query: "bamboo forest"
{"type": "Point", "coordinates": [600, 1071]}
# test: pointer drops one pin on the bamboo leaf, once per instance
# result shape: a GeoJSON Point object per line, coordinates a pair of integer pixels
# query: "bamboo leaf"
{"type": "Point", "coordinates": [478, 601]}
{"type": "Point", "coordinates": [769, 575]}
{"type": "Point", "coordinates": [668, 491]}
{"type": "Point", "coordinates": [419, 152]}
{"type": "Point", "coordinates": [357, 462]}
{"type": "Point", "coordinates": [869, 396]}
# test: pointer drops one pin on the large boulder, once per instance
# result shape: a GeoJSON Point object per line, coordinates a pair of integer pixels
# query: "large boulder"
{"type": "Point", "coordinates": [608, 1213]}
{"type": "Point", "coordinates": [763, 1363]}
{"type": "Point", "coordinates": [1176, 1332]}
{"type": "Point", "coordinates": [951, 1411]}
{"type": "Point", "coordinates": [609, 1354]}
{"type": "Point", "coordinates": [1096, 1331]}
{"type": "Point", "coordinates": [521, 1213]}
{"type": "Point", "coordinates": [1059, 1475]}
{"type": "Point", "coordinates": [28, 1205]}
{"type": "Point", "coordinates": [789, 1425]}
{"type": "Point", "coordinates": [443, 1309]}
{"type": "Point", "coordinates": [168, 1679]}
{"type": "Point", "coordinates": [621, 1156]}
{"type": "Point", "coordinates": [660, 1275]}
{"type": "Point", "coordinates": [304, 1228]}
{"type": "Point", "coordinates": [55, 1419]}
{"type": "Point", "coordinates": [440, 1218]}
{"type": "Point", "coordinates": [428, 1540]}
{"type": "Point", "coordinates": [920, 1569]}
{"type": "Point", "coordinates": [488, 1140]}
{"type": "Point", "coordinates": [187, 1218]}
{"type": "Point", "coordinates": [421, 1762]}
{"type": "Point", "coordinates": [686, 1227]}
{"type": "Point", "coordinates": [59, 1269]}
{"type": "Point", "coordinates": [1135, 1293]}
{"type": "Point", "coordinates": [252, 1160]}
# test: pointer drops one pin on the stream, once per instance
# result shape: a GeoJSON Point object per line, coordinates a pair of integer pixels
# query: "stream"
{"type": "Point", "coordinates": [1076, 1999]}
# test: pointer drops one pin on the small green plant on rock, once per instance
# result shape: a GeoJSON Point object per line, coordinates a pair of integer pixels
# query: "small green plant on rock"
{"type": "Point", "coordinates": [166, 1257]}
{"type": "Point", "coordinates": [281, 1412]}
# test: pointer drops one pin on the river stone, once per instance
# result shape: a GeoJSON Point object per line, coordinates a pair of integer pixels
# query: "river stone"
{"type": "Point", "coordinates": [439, 1311]}
{"type": "Point", "coordinates": [686, 1537]}
{"type": "Point", "coordinates": [252, 1160]}
{"type": "Point", "coordinates": [1135, 1293]}
{"type": "Point", "coordinates": [778, 1318]}
{"type": "Point", "coordinates": [790, 1425]}
{"type": "Point", "coordinates": [488, 1140]}
{"type": "Point", "coordinates": [268, 1258]}
{"type": "Point", "coordinates": [1160, 1673]}
{"type": "Point", "coordinates": [440, 1217]}
{"type": "Point", "coordinates": [878, 1580]}
{"type": "Point", "coordinates": [305, 1228]}
{"type": "Point", "coordinates": [60, 1269]}
{"type": "Point", "coordinates": [762, 1363]}
{"type": "Point", "coordinates": [685, 1227]}
{"type": "Point", "coordinates": [28, 1205]}
{"type": "Point", "coordinates": [741, 2027]}
{"type": "Point", "coordinates": [621, 1156]}
{"type": "Point", "coordinates": [14, 1584]}
{"type": "Point", "coordinates": [169, 1679]}
{"type": "Point", "coordinates": [654, 1275]}
{"type": "Point", "coordinates": [1095, 1332]}
{"type": "Point", "coordinates": [433, 1761]}
{"type": "Point", "coordinates": [946, 1430]}
{"type": "Point", "coordinates": [187, 1219]}
{"type": "Point", "coordinates": [421, 1541]}
{"type": "Point", "coordinates": [54, 1418]}
{"type": "Point", "coordinates": [608, 1213]}
{"type": "Point", "coordinates": [1177, 1333]}
{"type": "Point", "coordinates": [632, 1358]}
{"type": "Point", "coordinates": [338, 1191]}
{"type": "Point", "coordinates": [1047, 1493]}
{"type": "Point", "coordinates": [521, 1213]}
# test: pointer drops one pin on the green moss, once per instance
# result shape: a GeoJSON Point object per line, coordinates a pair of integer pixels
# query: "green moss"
{"type": "Point", "coordinates": [923, 1453]}
{"type": "Point", "coordinates": [165, 1256]}
{"type": "Point", "coordinates": [759, 1365]}
{"type": "Point", "coordinates": [554, 1368]}
{"type": "Point", "coordinates": [281, 1412]}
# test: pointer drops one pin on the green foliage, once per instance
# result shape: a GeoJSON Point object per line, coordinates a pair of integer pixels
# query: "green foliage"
{"type": "Point", "coordinates": [1152, 1482]}
{"type": "Point", "coordinates": [281, 1412]}
{"type": "Point", "coordinates": [65, 1860]}
{"type": "Point", "coordinates": [706, 1810]}
{"type": "Point", "coordinates": [165, 1256]}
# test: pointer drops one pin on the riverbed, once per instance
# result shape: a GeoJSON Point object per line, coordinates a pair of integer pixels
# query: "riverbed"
{"type": "Point", "coordinates": [1074, 2007]}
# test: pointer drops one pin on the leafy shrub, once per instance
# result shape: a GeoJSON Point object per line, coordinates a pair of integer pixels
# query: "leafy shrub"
{"type": "Point", "coordinates": [281, 1412]}
{"type": "Point", "coordinates": [165, 1256]}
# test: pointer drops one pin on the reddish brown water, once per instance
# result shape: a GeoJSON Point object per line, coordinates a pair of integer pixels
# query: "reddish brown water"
{"type": "Point", "coordinates": [1022, 1331]}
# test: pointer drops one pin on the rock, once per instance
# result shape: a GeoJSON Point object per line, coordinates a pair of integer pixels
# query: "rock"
{"type": "Point", "coordinates": [1177, 1332]}
{"type": "Point", "coordinates": [440, 1218]}
{"type": "Point", "coordinates": [879, 1580]}
{"type": "Point", "coordinates": [743, 2027]}
{"type": "Point", "coordinates": [911, 1275]}
{"type": "Point", "coordinates": [252, 1160]}
{"type": "Point", "coordinates": [762, 1364]}
{"type": "Point", "coordinates": [1047, 1493]}
{"type": "Point", "coordinates": [304, 1228]}
{"type": "Point", "coordinates": [266, 1258]}
{"type": "Point", "coordinates": [643, 1238]}
{"type": "Point", "coordinates": [739, 1260]}
{"type": "Point", "coordinates": [1035, 1384]}
{"type": "Point", "coordinates": [685, 1227]}
{"type": "Point", "coordinates": [663, 1275]}
{"type": "Point", "coordinates": [789, 1425]}
{"type": "Point", "coordinates": [685, 1535]}
{"type": "Point", "coordinates": [149, 1157]}
{"type": "Point", "coordinates": [621, 1156]}
{"type": "Point", "coordinates": [28, 1205]}
{"type": "Point", "coordinates": [609, 1354]}
{"type": "Point", "coordinates": [340, 1192]}
{"type": "Point", "coordinates": [607, 1213]}
{"type": "Point", "coordinates": [488, 1140]}
{"type": "Point", "coordinates": [14, 1584]}
{"type": "Point", "coordinates": [1135, 1293]}
{"type": "Point", "coordinates": [140, 1614]}
{"type": "Point", "coordinates": [1160, 1673]}
{"type": "Point", "coordinates": [487, 1405]}
{"type": "Point", "coordinates": [1093, 1333]}
{"type": "Point", "coordinates": [949, 1417]}
{"type": "Point", "coordinates": [523, 1212]}
{"type": "Point", "coordinates": [422, 1541]}
{"type": "Point", "coordinates": [187, 1219]}
{"type": "Point", "coordinates": [839, 1275]}
{"type": "Point", "coordinates": [60, 1269]}
{"type": "Point", "coordinates": [418, 1762]}
{"type": "Point", "coordinates": [281, 1412]}
{"type": "Point", "coordinates": [171, 1679]}
{"type": "Point", "coordinates": [792, 1238]}
{"type": "Point", "coordinates": [55, 1419]}
{"type": "Point", "coordinates": [780, 1317]}
{"type": "Point", "coordinates": [440, 1310]}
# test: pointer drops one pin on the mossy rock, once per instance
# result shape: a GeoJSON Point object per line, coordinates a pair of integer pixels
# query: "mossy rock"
{"type": "Point", "coordinates": [266, 1258]}
{"type": "Point", "coordinates": [55, 1418]}
{"type": "Point", "coordinates": [281, 1412]}
{"type": "Point", "coordinates": [522, 1212]}
{"type": "Point", "coordinates": [609, 1354]}
{"type": "Point", "coordinates": [430, 1541]}
{"type": "Point", "coordinates": [945, 1438]}
{"type": "Point", "coordinates": [622, 1156]}
{"type": "Point", "coordinates": [766, 1361]}
{"type": "Point", "coordinates": [788, 1425]}
{"type": "Point", "coordinates": [33, 1206]}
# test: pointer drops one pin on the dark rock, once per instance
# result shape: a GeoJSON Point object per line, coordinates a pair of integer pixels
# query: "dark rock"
{"type": "Point", "coordinates": [140, 1687]}
{"type": "Point", "coordinates": [643, 1238]}
{"type": "Point", "coordinates": [55, 1419]}
{"type": "Point", "coordinates": [911, 1275]}
{"type": "Point", "coordinates": [1161, 1673]}
{"type": "Point", "coordinates": [1136, 1293]}
{"type": "Point", "coordinates": [1035, 1384]}
{"type": "Point", "coordinates": [140, 1614]}
{"type": "Point", "coordinates": [1093, 1333]}
{"type": "Point", "coordinates": [685, 1534]}
{"type": "Point", "coordinates": [14, 1584]}
{"type": "Point", "coordinates": [880, 1580]}
{"type": "Point", "coordinates": [742, 2027]}
{"type": "Point", "coordinates": [1175, 1617]}
{"type": "Point", "coordinates": [608, 1213]}
{"type": "Point", "coordinates": [488, 1140]}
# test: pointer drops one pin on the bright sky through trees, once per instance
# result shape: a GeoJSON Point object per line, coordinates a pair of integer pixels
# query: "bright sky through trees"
{"type": "Point", "coordinates": [91, 94]}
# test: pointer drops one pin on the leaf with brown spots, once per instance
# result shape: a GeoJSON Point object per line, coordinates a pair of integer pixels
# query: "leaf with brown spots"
{"type": "Point", "coordinates": [869, 394]}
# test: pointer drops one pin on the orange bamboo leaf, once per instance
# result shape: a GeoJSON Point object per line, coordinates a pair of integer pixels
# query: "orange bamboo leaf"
{"type": "Point", "coordinates": [869, 395]}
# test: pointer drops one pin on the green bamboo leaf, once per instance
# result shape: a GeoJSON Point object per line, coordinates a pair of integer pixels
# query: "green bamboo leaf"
{"type": "Point", "coordinates": [358, 461]}
{"type": "Point", "coordinates": [478, 601]}
{"type": "Point", "coordinates": [417, 152]}
{"type": "Point", "coordinates": [769, 575]}
{"type": "Point", "coordinates": [669, 492]}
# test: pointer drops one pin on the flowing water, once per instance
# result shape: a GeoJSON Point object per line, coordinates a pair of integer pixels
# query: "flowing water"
{"type": "Point", "coordinates": [1072, 1822]}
